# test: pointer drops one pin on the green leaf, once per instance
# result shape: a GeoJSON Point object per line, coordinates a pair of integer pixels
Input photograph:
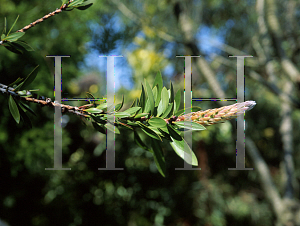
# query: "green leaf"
{"type": "Point", "coordinates": [167, 112]}
{"type": "Point", "coordinates": [141, 115]}
{"type": "Point", "coordinates": [157, 122]}
{"type": "Point", "coordinates": [15, 82]}
{"type": "Point", "coordinates": [93, 110]}
{"type": "Point", "coordinates": [163, 105]}
{"type": "Point", "coordinates": [159, 83]}
{"type": "Point", "coordinates": [29, 79]}
{"type": "Point", "coordinates": [178, 146]}
{"type": "Point", "coordinates": [132, 124]}
{"type": "Point", "coordinates": [193, 109]}
{"type": "Point", "coordinates": [171, 93]}
{"type": "Point", "coordinates": [14, 109]}
{"type": "Point", "coordinates": [102, 106]}
{"type": "Point", "coordinates": [23, 45]}
{"type": "Point", "coordinates": [75, 3]}
{"type": "Point", "coordinates": [142, 99]}
{"type": "Point", "coordinates": [134, 104]}
{"type": "Point", "coordinates": [190, 125]}
{"type": "Point", "coordinates": [125, 125]}
{"type": "Point", "coordinates": [25, 119]}
{"type": "Point", "coordinates": [14, 36]}
{"type": "Point", "coordinates": [64, 1]}
{"type": "Point", "coordinates": [150, 99]}
{"type": "Point", "coordinates": [154, 91]}
{"type": "Point", "coordinates": [139, 142]}
{"type": "Point", "coordinates": [25, 108]}
{"type": "Point", "coordinates": [100, 128]}
{"type": "Point", "coordinates": [158, 80]}
{"type": "Point", "coordinates": [11, 47]}
{"type": "Point", "coordinates": [98, 119]}
{"type": "Point", "coordinates": [119, 106]}
{"type": "Point", "coordinates": [84, 6]}
{"type": "Point", "coordinates": [13, 25]}
{"type": "Point", "coordinates": [165, 133]}
{"type": "Point", "coordinates": [132, 111]}
{"type": "Point", "coordinates": [112, 128]}
{"type": "Point", "coordinates": [173, 133]}
{"type": "Point", "coordinates": [122, 114]}
{"type": "Point", "coordinates": [149, 131]}
{"type": "Point", "coordinates": [90, 96]}
{"type": "Point", "coordinates": [185, 153]}
{"type": "Point", "coordinates": [158, 157]}
{"type": "Point", "coordinates": [177, 101]}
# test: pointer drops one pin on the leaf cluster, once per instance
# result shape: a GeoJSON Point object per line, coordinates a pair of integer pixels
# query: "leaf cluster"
{"type": "Point", "coordinates": [149, 114]}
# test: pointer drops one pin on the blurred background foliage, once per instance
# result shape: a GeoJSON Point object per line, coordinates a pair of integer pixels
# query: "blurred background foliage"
{"type": "Point", "coordinates": [149, 35]}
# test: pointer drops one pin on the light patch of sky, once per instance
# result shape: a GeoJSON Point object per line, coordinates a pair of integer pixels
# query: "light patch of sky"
{"type": "Point", "coordinates": [206, 40]}
{"type": "Point", "coordinates": [122, 70]}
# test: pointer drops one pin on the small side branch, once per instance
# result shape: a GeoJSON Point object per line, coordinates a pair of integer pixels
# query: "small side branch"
{"type": "Point", "coordinates": [57, 11]}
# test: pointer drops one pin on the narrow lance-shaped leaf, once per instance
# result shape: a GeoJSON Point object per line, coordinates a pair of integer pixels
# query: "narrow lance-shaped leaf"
{"type": "Point", "coordinates": [14, 36]}
{"type": "Point", "coordinates": [167, 111]}
{"type": "Point", "coordinates": [90, 96]}
{"type": "Point", "coordinates": [25, 108]}
{"type": "Point", "coordinates": [177, 102]}
{"type": "Point", "coordinates": [190, 126]}
{"type": "Point", "coordinates": [76, 2]}
{"type": "Point", "coordinates": [171, 93]}
{"type": "Point", "coordinates": [150, 99]}
{"type": "Point", "coordinates": [142, 99]}
{"type": "Point", "coordinates": [23, 45]}
{"type": "Point", "coordinates": [93, 110]}
{"type": "Point", "coordinates": [26, 119]}
{"type": "Point", "coordinates": [120, 105]}
{"type": "Point", "coordinates": [140, 115]}
{"type": "Point", "coordinates": [112, 128]}
{"type": "Point", "coordinates": [159, 82]}
{"type": "Point", "coordinates": [122, 114]}
{"type": "Point", "coordinates": [154, 91]}
{"type": "Point", "coordinates": [139, 142]}
{"type": "Point", "coordinates": [158, 157]}
{"type": "Point", "coordinates": [84, 6]}
{"type": "Point", "coordinates": [132, 111]}
{"type": "Point", "coordinates": [157, 122]}
{"type": "Point", "coordinates": [149, 131]}
{"type": "Point", "coordinates": [15, 82]}
{"type": "Point", "coordinates": [29, 79]}
{"type": "Point", "coordinates": [64, 1]}
{"type": "Point", "coordinates": [181, 148]}
{"type": "Point", "coordinates": [13, 25]}
{"type": "Point", "coordinates": [100, 128]}
{"type": "Point", "coordinates": [163, 105]}
{"type": "Point", "coordinates": [102, 107]}
{"type": "Point", "coordinates": [14, 109]}
{"type": "Point", "coordinates": [13, 48]}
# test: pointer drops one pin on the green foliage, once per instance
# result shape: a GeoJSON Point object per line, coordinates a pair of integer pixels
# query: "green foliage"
{"type": "Point", "coordinates": [14, 109]}
{"type": "Point", "coordinates": [155, 127]}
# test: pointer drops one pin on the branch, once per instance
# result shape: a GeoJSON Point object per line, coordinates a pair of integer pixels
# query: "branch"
{"type": "Point", "coordinates": [44, 101]}
{"type": "Point", "coordinates": [57, 11]}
